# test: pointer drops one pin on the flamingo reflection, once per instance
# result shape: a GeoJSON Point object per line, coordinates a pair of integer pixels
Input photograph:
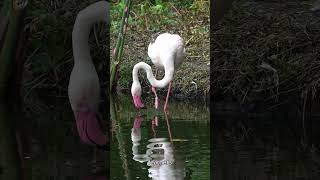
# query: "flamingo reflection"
{"type": "Point", "coordinates": [160, 155]}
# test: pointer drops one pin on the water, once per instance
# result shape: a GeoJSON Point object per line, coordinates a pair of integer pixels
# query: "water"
{"type": "Point", "coordinates": [155, 145]}
{"type": "Point", "coordinates": [267, 146]}
{"type": "Point", "coordinates": [57, 151]}
{"type": "Point", "coordinates": [52, 148]}
{"type": "Point", "coordinates": [264, 146]}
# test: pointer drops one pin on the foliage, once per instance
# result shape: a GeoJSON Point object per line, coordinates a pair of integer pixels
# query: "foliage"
{"type": "Point", "coordinates": [118, 50]}
{"type": "Point", "coordinates": [152, 16]}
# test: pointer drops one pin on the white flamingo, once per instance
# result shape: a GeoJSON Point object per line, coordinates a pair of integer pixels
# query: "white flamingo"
{"type": "Point", "coordinates": [168, 52]}
{"type": "Point", "coordinates": [84, 86]}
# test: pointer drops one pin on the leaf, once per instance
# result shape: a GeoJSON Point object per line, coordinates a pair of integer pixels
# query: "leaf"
{"type": "Point", "coordinates": [158, 8]}
{"type": "Point", "coordinates": [142, 9]}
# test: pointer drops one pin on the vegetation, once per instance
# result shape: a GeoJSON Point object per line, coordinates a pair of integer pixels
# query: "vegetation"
{"type": "Point", "coordinates": [118, 50]}
{"type": "Point", "coordinates": [190, 19]}
{"type": "Point", "coordinates": [267, 51]}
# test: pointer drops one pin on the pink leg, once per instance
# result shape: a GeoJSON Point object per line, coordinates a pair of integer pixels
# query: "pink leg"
{"type": "Point", "coordinates": [154, 124]}
{"type": "Point", "coordinates": [156, 101]}
{"type": "Point", "coordinates": [167, 99]}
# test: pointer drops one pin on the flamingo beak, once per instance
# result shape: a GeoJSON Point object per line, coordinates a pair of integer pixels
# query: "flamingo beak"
{"type": "Point", "coordinates": [137, 102]}
{"type": "Point", "coordinates": [89, 129]}
{"type": "Point", "coordinates": [137, 122]}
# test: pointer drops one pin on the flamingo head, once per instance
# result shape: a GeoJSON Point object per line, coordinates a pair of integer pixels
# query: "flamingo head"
{"type": "Point", "coordinates": [136, 95]}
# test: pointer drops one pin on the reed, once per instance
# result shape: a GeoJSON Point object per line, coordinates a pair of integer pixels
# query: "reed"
{"type": "Point", "coordinates": [118, 50]}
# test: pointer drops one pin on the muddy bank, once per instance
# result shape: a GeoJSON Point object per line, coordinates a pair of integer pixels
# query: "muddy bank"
{"type": "Point", "coordinates": [267, 51]}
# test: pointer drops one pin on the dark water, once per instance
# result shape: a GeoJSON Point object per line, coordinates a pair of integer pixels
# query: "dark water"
{"type": "Point", "coordinates": [57, 151]}
{"type": "Point", "coordinates": [267, 146]}
{"type": "Point", "coordinates": [155, 145]}
{"type": "Point", "coordinates": [51, 148]}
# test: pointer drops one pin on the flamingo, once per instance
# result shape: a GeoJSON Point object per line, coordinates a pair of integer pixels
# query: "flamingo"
{"type": "Point", "coordinates": [168, 52]}
{"type": "Point", "coordinates": [160, 155]}
{"type": "Point", "coordinates": [84, 86]}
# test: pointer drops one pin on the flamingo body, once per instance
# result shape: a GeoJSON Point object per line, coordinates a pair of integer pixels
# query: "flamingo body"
{"type": "Point", "coordinates": [168, 52]}
{"type": "Point", "coordinates": [167, 44]}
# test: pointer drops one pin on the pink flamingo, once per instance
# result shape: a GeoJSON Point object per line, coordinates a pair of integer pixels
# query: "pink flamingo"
{"type": "Point", "coordinates": [168, 52]}
{"type": "Point", "coordinates": [84, 86]}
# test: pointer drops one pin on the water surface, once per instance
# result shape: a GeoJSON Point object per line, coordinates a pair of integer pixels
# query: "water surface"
{"type": "Point", "coordinates": [155, 145]}
{"type": "Point", "coordinates": [266, 146]}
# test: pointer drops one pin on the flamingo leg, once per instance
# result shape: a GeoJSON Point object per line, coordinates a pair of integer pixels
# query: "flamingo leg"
{"type": "Point", "coordinates": [154, 124]}
{"type": "Point", "coordinates": [168, 126]}
{"type": "Point", "coordinates": [156, 101]}
{"type": "Point", "coordinates": [167, 98]}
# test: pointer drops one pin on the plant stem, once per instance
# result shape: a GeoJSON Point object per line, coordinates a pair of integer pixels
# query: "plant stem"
{"type": "Point", "coordinates": [7, 54]}
{"type": "Point", "coordinates": [10, 51]}
{"type": "Point", "coordinates": [117, 51]}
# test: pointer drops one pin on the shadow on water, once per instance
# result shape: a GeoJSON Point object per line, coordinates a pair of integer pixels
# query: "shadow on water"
{"type": "Point", "coordinates": [153, 144]}
{"type": "Point", "coordinates": [268, 145]}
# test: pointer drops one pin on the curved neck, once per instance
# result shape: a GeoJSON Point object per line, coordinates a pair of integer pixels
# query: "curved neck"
{"type": "Point", "coordinates": [169, 70]}
{"type": "Point", "coordinates": [94, 13]}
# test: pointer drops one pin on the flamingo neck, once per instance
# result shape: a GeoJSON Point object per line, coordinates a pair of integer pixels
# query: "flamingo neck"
{"type": "Point", "coordinates": [80, 35]}
{"type": "Point", "coordinates": [169, 70]}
